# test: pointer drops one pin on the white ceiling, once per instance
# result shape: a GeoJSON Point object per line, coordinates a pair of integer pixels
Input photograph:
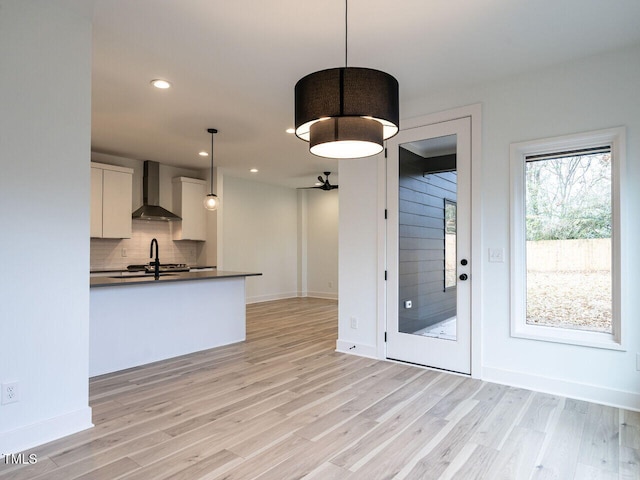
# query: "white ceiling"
{"type": "Point", "coordinates": [234, 64]}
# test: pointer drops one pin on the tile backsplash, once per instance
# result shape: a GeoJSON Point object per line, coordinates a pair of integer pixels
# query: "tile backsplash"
{"type": "Point", "coordinates": [106, 253]}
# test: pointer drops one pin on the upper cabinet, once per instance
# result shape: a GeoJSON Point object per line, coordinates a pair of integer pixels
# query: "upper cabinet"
{"type": "Point", "coordinates": [111, 199]}
{"type": "Point", "coordinates": [188, 195]}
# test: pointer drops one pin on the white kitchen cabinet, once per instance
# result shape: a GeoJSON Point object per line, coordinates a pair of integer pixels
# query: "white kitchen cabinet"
{"type": "Point", "coordinates": [111, 199]}
{"type": "Point", "coordinates": [188, 195]}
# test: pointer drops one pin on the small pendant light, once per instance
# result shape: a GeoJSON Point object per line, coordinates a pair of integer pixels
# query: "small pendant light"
{"type": "Point", "coordinates": [211, 201]}
{"type": "Point", "coordinates": [346, 112]}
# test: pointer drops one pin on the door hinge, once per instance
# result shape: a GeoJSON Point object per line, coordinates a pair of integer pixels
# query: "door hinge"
{"type": "Point", "coordinates": [385, 152]}
{"type": "Point", "coordinates": [385, 213]}
{"type": "Point", "coordinates": [385, 337]}
{"type": "Point", "coordinates": [385, 275]}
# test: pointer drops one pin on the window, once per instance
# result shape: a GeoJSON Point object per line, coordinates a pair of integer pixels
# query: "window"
{"type": "Point", "coordinates": [566, 239]}
{"type": "Point", "coordinates": [450, 240]}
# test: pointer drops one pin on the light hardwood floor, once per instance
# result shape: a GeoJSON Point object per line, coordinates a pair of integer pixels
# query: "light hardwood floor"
{"type": "Point", "coordinates": [284, 405]}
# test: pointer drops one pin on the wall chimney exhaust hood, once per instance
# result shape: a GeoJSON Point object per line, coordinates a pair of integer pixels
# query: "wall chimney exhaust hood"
{"type": "Point", "coordinates": [151, 209]}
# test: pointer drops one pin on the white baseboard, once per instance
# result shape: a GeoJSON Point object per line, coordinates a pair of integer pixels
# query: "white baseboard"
{"type": "Point", "coordinates": [565, 388]}
{"type": "Point", "coordinates": [270, 297]}
{"type": "Point", "coordinates": [30, 436]}
{"type": "Point", "coordinates": [359, 349]}
{"type": "Point", "coordinates": [326, 295]}
{"type": "Point", "coordinates": [282, 296]}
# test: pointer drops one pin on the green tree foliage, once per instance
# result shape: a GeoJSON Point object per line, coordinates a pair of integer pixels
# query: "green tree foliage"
{"type": "Point", "coordinates": [569, 197]}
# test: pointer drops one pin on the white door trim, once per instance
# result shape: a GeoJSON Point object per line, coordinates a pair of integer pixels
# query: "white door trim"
{"type": "Point", "coordinates": [475, 113]}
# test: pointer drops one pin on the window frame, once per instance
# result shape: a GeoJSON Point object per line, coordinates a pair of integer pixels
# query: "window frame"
{"type": "Point", "coordinates": [615, 138]}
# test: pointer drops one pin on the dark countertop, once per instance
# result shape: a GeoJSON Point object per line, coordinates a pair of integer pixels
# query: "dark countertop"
{"type": "Point", "coordinates": [118, 281]}
{"type": "Point", "coordinates": [116, 270]}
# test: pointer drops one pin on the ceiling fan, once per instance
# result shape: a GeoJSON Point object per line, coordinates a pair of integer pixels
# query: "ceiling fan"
{"type": "Point", "coordinates": [324, 183]}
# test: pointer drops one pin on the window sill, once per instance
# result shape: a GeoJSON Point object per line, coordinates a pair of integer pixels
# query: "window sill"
{"type": "Point", "coordinates": [567, 336]}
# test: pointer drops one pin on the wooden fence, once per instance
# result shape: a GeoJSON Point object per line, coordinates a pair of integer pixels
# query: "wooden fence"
{"type": "Point", "coordinates": [588, 255]}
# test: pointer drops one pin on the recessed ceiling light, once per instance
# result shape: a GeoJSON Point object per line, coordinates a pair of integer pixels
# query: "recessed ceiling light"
{"type": "Point", "coordinates": [290, 130]}
{"type": "Point", "coordinates": [203, 154]}
{"type": "Point", "coordinates": [159, 83]}
{"type": "Point", "coordinates": [254, 170]}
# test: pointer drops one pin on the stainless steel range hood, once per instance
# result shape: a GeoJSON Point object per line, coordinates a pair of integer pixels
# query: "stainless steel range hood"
{"type": "Point", "coordinates": [151, 209]}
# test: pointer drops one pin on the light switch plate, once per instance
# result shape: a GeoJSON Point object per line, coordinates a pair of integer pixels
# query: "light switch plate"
{"type": "Point", "coordinates": [496, 255]}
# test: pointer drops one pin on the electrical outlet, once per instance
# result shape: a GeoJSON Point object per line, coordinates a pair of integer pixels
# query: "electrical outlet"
{"type": "Point", "coordinates": [10, 393]}
{"type": "Point", "coordinates": [354, 322]}
{"type": "Point", "coordinates": [123, 252]}
{"type": "Point", "coordinates": [330, 284]}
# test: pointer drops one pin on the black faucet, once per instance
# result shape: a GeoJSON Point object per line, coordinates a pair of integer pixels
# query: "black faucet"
{"type": "Point", "coordinates": [156, 262]}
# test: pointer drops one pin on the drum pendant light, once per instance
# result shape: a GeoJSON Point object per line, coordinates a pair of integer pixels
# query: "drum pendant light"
{"type": "Point", "coordinates": [211, 201]}
{"type": "Point", "coordinates": [346, 112]}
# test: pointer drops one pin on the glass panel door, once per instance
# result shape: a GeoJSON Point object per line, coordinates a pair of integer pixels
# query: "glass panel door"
{"type": "Point", "coordinates": [429, 244]}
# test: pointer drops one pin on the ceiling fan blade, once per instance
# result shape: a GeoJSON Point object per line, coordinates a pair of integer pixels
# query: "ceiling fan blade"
{"type": "Point", "coordinates": [324, 183]}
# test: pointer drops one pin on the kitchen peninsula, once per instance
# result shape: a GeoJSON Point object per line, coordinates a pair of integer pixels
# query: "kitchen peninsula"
{"type": "Point", "coordinates": [135, 320]}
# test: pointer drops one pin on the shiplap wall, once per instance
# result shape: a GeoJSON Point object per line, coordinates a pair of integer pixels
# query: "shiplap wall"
{"type": "Point", "coordinates": [421, 243]}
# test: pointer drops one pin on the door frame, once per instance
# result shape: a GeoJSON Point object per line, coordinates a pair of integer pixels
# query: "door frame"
{"type": "Point", "coordinates": [474, 112]}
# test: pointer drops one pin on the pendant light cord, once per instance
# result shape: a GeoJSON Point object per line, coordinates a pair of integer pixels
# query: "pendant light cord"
{"type": "Point", "coordinates": [346, 30]}
{"type": "Point", "coordinates": [212, 131]}
{"type": "Point", "coordinates": [211, 178]}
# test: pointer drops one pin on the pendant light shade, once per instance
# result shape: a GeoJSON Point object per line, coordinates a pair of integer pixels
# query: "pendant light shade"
{"type": "Point", "coordinates": [346, 137]}
{"type": "Point", "coordinates": [346, 112]}
{"type": "Point", "coordinates": [211, 201]}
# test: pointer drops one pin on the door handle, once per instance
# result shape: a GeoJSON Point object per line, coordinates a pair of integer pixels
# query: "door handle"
{"type": "Point", "coordinates": [463, 277]}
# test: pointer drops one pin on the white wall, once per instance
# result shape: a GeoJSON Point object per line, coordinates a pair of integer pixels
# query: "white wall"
{"type": "Point", "coordinates": [290, 236]}
{"type": "Point", "coordinates": [258, 233]}
{"type": "Point", "coordinates": [45, 120]}
{"type": "Point", "coordinates": [590, 94]}
{"type": "Point", "coordinates": [359, 255]}
{"type": "Point", "coordinates": [322, 243]}
{"type": "Point", "coordinates": [302, 242]}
